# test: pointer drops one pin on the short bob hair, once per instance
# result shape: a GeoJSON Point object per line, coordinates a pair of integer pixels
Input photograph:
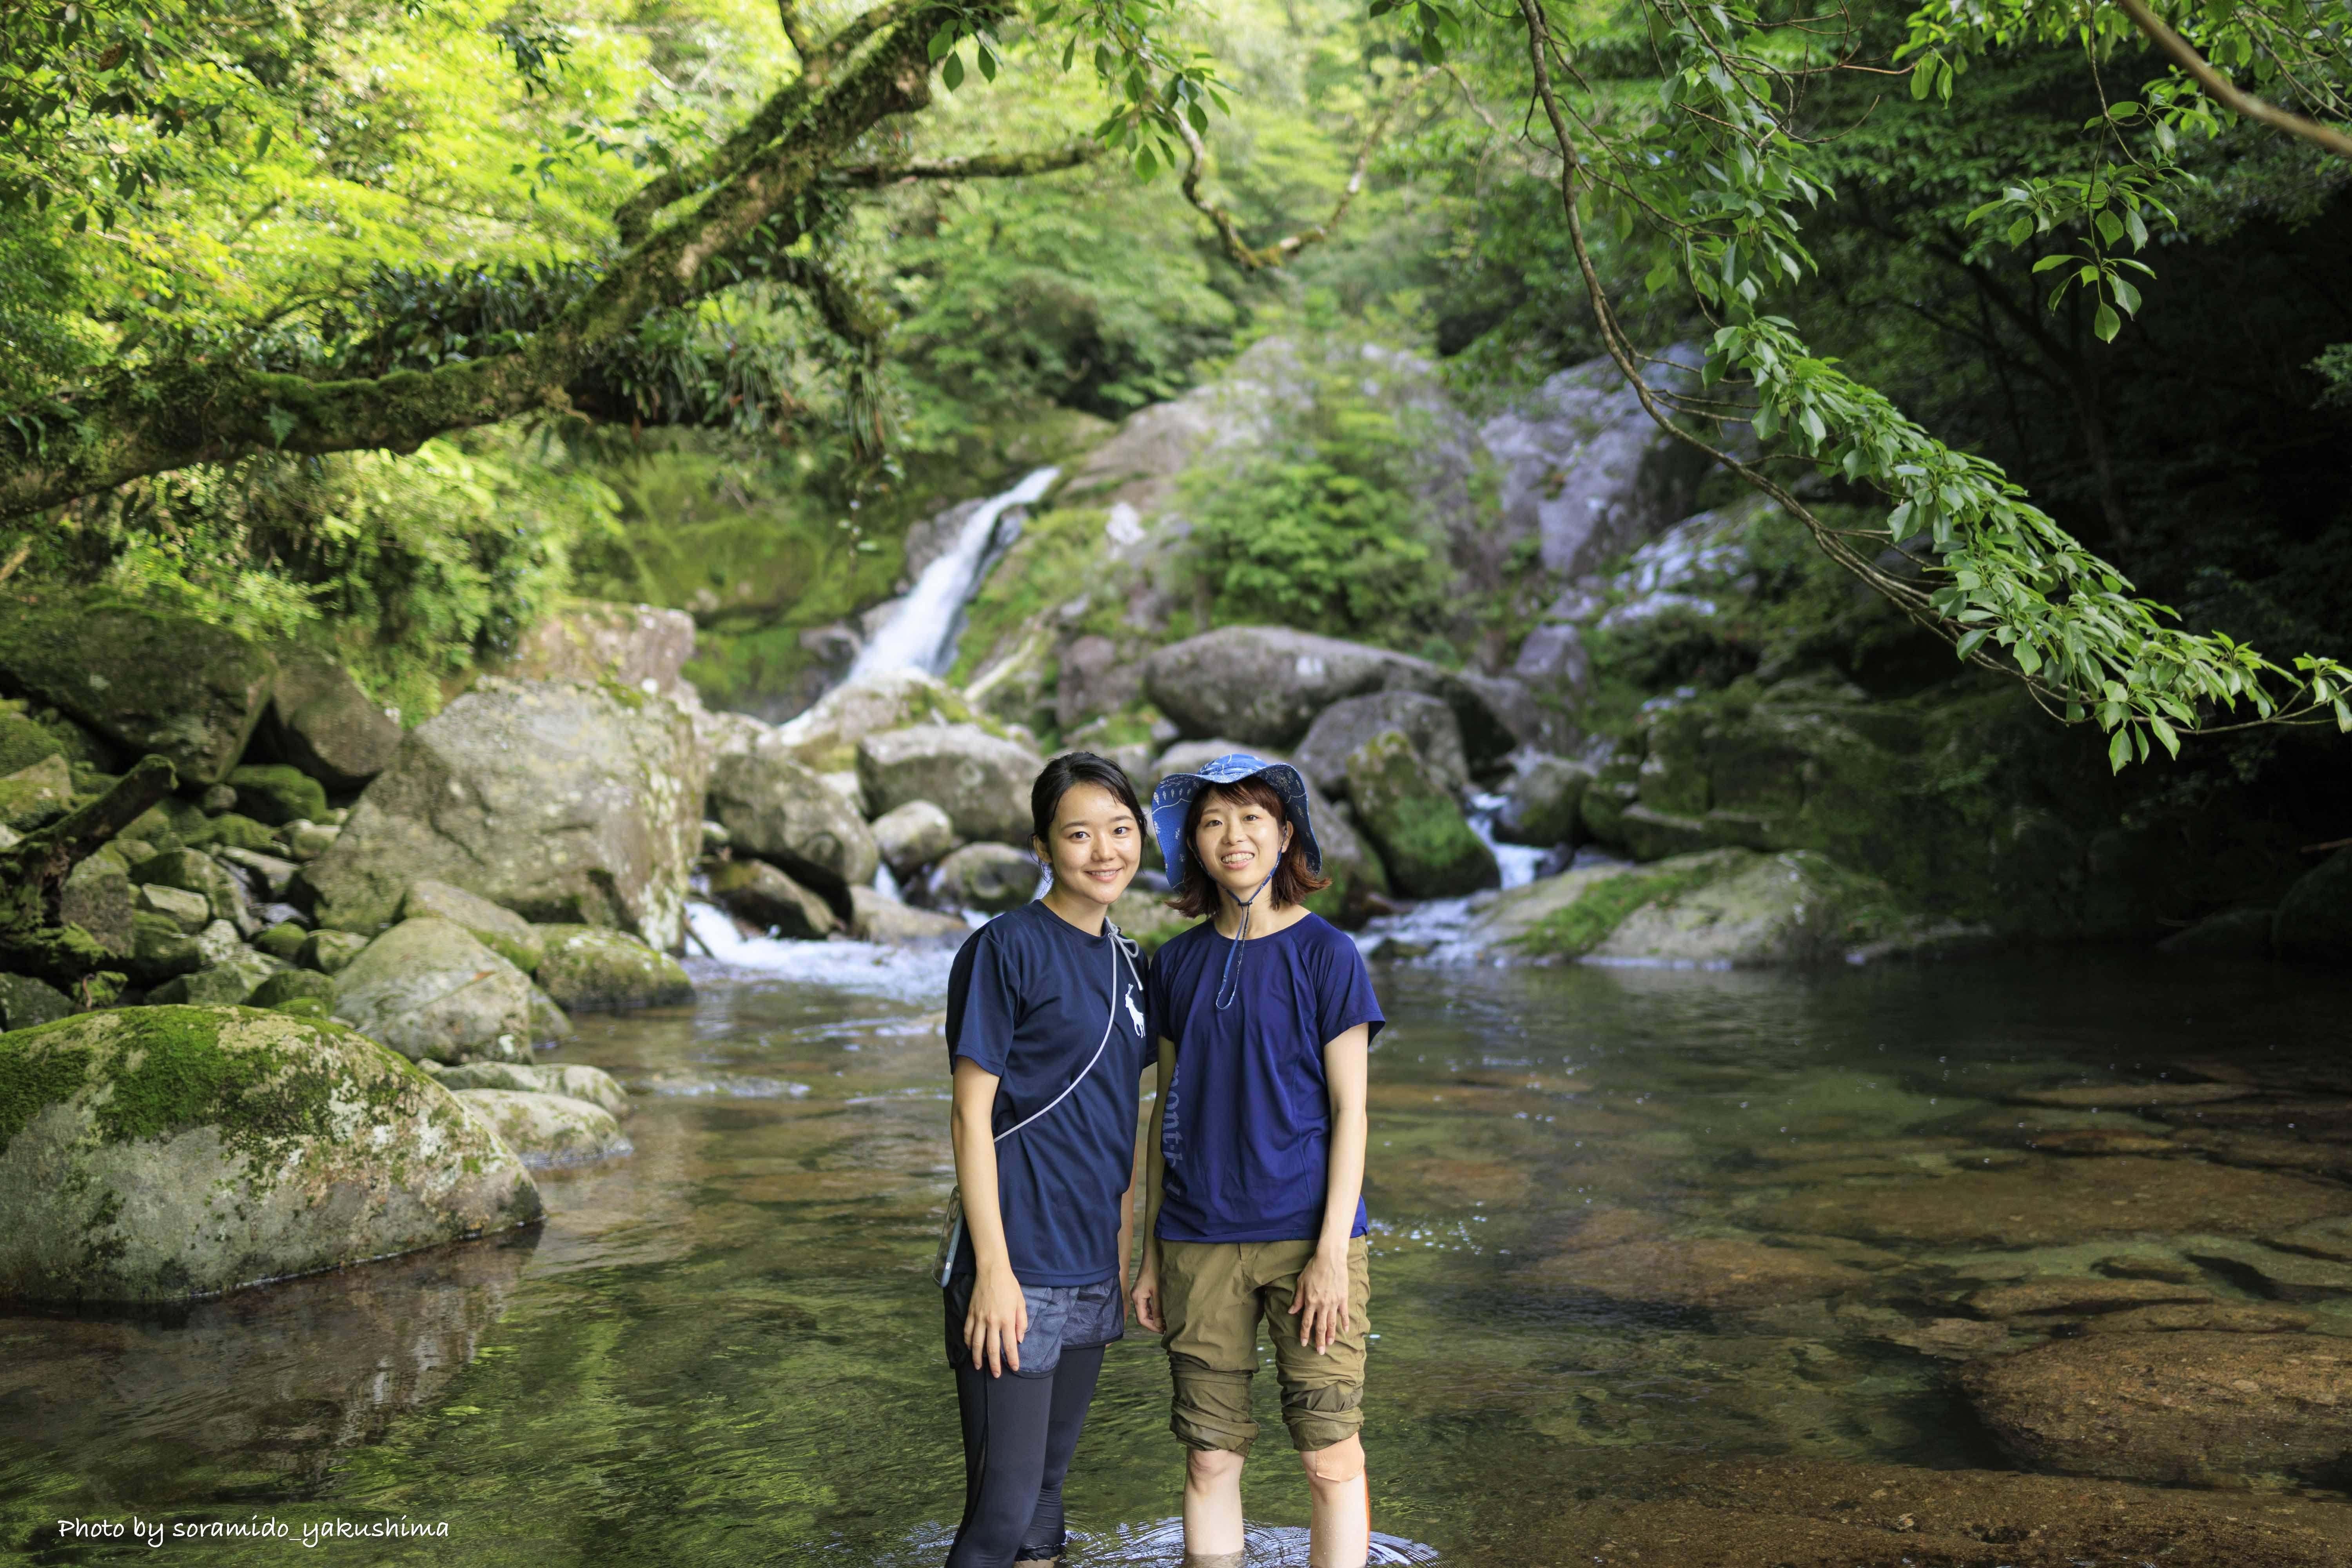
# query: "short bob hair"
{"type": "Point", "coordinates": [1065, 773]}
{"type": "Point", "coordinates": [1292, 879]}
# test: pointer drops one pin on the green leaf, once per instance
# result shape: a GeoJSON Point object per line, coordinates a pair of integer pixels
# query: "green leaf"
{"type": "Point", "coordinates": [2106, 323]}
{"type": "Point", "coordinates": [2125, 294]}
{"type": "Point", "coordinates": [2119, 750]}
{"type": "Point", "coordinates": [952, 73]}
{"type": "Point", "coordinates": [987, 63]}
{"type": "Point", "coordinates": [942, 41]}
{"type": "Point", "coordinates": [1069, 53]}
{"type": "Point", "coordinates": [281, 423]}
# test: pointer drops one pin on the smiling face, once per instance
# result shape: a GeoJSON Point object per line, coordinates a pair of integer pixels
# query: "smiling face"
{"type": "Point", "coordinates": [1241, 840]}
{"type": "Point", "coordinates": [1096, 846]}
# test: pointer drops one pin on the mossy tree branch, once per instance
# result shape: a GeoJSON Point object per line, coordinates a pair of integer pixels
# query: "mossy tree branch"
{"type": "Point", "coordinates": [34, 869]}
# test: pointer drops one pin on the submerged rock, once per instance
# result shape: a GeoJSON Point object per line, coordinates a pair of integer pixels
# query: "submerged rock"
{"type": "Point", "coordinates": [558, 801]}
{"type": "Point", "coordinates": [1425, 845]}
{"type": "Point", "coordinates": [1708, 1271]}
{"type": "Point", "coordinates": [2183, 1409]}
{"type": "Point", "coordinates": [593, 970]}
{"type": "Point", "coordinates": [503, 931]}
{"type": "Point", "coordinates": [549, 1129]}
{"type": "Point", "coordinates": [914, 835]}
{"type": "Point", "coordinates": [426, 988]}
{"type": "Point", "coordinates": [981, 781]}
{"type": "Point", "coordinates": [783, 811]}
{"type": "Point", "coordinates": [766, 900]}
{"type": "Point", "coordinates": [155, 1153]}
{"type": "Point", "coordinates": [989, 877]}
{"type": "Point", "coordinates": [1265, 685]}
{"type": "Point", "coordinates": [1344, 726]}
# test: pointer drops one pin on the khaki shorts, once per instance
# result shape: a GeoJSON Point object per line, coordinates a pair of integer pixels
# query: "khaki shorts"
{"type": "Point", "coordinates": [1215, 1293]}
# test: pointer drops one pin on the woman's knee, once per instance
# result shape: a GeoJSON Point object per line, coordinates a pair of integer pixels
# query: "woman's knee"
{"type": "Point", "coordinates": [1212, 1465]}
{"type": "Point", "coordinates": [1338, 1465]}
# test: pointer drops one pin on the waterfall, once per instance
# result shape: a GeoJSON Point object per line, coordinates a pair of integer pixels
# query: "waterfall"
{"type": "Point", "coordinates": [921, 633]}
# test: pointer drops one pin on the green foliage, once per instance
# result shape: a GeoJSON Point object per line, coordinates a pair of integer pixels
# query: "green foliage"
{"type": "Point", "coordinates": [1319, 525]}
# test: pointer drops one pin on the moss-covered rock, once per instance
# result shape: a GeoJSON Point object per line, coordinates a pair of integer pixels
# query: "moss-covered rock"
{"type": "Point", "coordinates": [160, 947]}
{"type": "Point", "coordinates": [193, 871]}
{"type": "Point", "coordinates": [177, 686]}
{"type": "Point", "coordinates": [233, 830]}
{"type": "Point", "coordinates": [98, 896]}
{"type": "Point", "coordinates": [319, 721]}
{"type": "Point", "coordinates": [37, 794]}
{"type": "Point", "coordinates": [1424, 842]}
{"type": "Point", "coordinates": [574, 1080]}
{"type": "Point", "coordinates": [277, 792]}
{"type": "Point", "coordinates": [23, 742]}
{"type": "Point", "coordinates": [503, 931]}
{"type": "Point", "coordinates": [2315, 919]}
{"type": "Point", "coordinates": [559, 802]}
{"type": "Point", "coordinates": [155, 1153]}
{"type": "Point", "coordinates": [1543, 803]}
{"type": "Point", "coordinates": [426, 988]}
{"type": "Point", "coordinates": [223, 984]}
{"type": "Point", "coordinates": [282, 941]}
{"type": "Point", "coordinates": [287, 984]}
{"type": "Point", "coordinates": [24, 1002]}
{"type": "Point", "coordinates": [1795, 908]}
{"type": "Point", "coordinates": [327, 951]}
{"type": "Point", "coordinates": [592, 969]}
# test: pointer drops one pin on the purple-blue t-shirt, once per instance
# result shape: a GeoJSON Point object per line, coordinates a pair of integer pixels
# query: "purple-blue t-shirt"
{"type": "Point", "coordinates": [1028, 1000]}
{"type": "Point", "coordinates": [1245, 1134]}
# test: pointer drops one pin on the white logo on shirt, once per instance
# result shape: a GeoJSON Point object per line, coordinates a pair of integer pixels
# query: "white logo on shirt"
{"type": "Point", "coordinates": [1133, 1011]}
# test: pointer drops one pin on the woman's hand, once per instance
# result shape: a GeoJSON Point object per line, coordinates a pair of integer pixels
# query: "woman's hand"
{"type": "Point", "coordinates": [1321, 1301]}
{"type": "Point", "coordinates": [997, 1323]}
{"type": "Point", "coordinates": [1145, 1296]}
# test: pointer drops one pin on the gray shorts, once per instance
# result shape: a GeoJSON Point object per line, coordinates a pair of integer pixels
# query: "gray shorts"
{"type": "Point", "coordinates": [1061, 1316]}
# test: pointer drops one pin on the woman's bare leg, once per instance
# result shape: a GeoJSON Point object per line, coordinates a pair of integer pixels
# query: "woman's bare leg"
{"type": "Point", "coordinates": [1341, 1536]}
{"type": "Point", "coordinates": [1213, 1508]}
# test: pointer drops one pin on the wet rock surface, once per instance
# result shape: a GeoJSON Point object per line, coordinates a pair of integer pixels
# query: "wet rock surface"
{"type": "Point", "coordinates": [2191, 1408]}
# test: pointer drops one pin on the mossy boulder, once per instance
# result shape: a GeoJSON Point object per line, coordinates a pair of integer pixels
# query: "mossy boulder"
{"type": "Point", "coordinates": [156, 1153]}
{"type": "Point", "coordinates": [283, 941]}
{"type": "Point", "coordinates": [23, 742]}
{"type": "Point", "coordinates": [319, 721]}
{"type": "Point", "coordinates": [1424, 842]}
{"type": "Point", "coordinates": [783, 812]}
{"type": "Point", "coordinates": [193, 871]}
{"type": "Point", "coordinates": [160, 947]}
{"type": "Point", "coordinates": [767, 900]}
{"type": "Point", "coordinates": [2315, 919]}
{"type": "Point", "coordinates": [286, 984]}
{"type": "Point", "coordinates": [825, 737]}
{"type": "Point", "coordinates": [329, 951]}
{"type": "Point", "coordinates": [98, 896]}
{"type": "Point", "coordinates": [575, 1080]}
{"type": "Point", "coordinates": [503, 931]}
{"type": "Point", "coordinates": [277, 792]}
{"type": "Point", "coordinates": [1543, 804]}
{"type": "Point", "coordinates": [233, 830]}
{"type": "Point", "coordinates": [563, 802]}
{"type": "Point", "coordinates": [426, 988]}
{"type": "Point", "coordinates": [37, 794]}
{"type": "Point", "coordinates": [595, 970]}
{"type": "Point", "coordinates": [190, 912]}
{"type": "Point", "coordinates": [1347, 724]}
{"type": "Point", "coordinates": [225, 983]}
{"type": "Point", "coordinates": [1795, 908]}
{"type": "Point", "coordinates": [149, 683]}
{"type": "Point", "coordinates": [549, 1129]}
{"type": "Point", "coordinates": [24, 1002]}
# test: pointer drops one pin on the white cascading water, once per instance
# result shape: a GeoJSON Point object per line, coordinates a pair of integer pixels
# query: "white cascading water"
{"type": "Point", "coordinates": [921, 634]}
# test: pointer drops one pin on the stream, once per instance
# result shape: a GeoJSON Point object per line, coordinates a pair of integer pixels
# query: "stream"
{"type": "Point", "coordinates": [722, 1348]}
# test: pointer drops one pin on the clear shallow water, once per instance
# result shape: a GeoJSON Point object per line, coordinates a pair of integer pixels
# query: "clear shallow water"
{"type": "Point", "coordinates": [722, 1348]}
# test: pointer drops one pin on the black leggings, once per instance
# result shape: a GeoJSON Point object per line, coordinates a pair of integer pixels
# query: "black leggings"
{"type": "Point", "coordinates": [1018, 1436]}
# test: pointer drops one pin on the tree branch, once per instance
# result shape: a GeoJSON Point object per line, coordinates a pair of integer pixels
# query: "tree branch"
{"type": "Point", "coordinates": [2227, 93]}
{"type": "Point", "coordinates": [796, 31]}
{"type": "Point", "coordinates": [1253, 260]}
{"type": "Point", "coordinates": [973, 166]}
{"type": "Point", "coordinates": [198, 412]}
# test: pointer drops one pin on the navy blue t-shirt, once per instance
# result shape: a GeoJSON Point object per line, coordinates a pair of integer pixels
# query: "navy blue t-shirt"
{"type": "Point", "coordinates": [1247, 1131]}
{"type": "Point", "coordinates": [1027, 1000]}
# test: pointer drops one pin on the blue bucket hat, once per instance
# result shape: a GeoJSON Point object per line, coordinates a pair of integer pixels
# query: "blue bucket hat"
{"type": "Point", "coordinates": [1171, 802]}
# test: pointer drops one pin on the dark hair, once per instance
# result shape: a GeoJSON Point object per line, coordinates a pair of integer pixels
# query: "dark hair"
{"type": "Point", "coordinates": [1293, 880]}
{"type": "Point", "coordinates": [1068, 770]}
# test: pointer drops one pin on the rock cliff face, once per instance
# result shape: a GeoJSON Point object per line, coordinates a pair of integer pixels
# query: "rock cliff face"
{"type": "Point", "coordinates": [561, 802]}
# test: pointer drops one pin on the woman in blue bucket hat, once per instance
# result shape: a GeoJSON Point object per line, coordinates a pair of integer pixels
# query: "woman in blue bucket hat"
{"type": "Point", "coordinates": [1254, 1168]}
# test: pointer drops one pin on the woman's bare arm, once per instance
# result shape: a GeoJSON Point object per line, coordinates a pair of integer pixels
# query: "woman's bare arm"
{"type": "Point", "coordinates": [1146, 1295]}
{"type": "Point", "coordinates": [1322, 1299]}
{"type": "Point", "coordinates": [999, 1318]}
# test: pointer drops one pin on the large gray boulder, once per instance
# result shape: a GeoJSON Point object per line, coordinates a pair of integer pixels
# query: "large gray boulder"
{"type": "Point", "coordinates": [595, 970]}
{"type": "Point", "coordinates": [1265, 685]}
{"type": "Point", "coordinates": [1586, 471]}
{"type": "Point", "coordinates": [157, 1153]}
{"type": "Point", "coordinates": [637, 646]}
{"type": "Point", "coordinates": [825, 737]}
{"type": "Point", "coordinates": [1542, 802]}
{"type": "Point", "coordinates": [982, 782]}
{"type": "Point", "coordinates": [991, 877]}
{"type": "Point", "coordinates": [1425, 843]}
{"type": "Point", "coordinates": [175, 687]}
{"type": "Point", "coordinates": [781, 811]}
{"type": "Point", "coordinates": [2315, 919]}
{"type": "Point", "coordinates": [1347, 724]}
{"type": "Point", "coordinates": [427, 988]}
{"type": "Point", "coordinates": [548, 1129]}
{"type": "Point", "coordinates": [914, 835]}
{"type": "Point", "coordinates": [319, 721]}
{"type": "Point", "coordinates": [2178, 1409]}
{"type": "Point", "coordinates": [503, 931]}
{"type": "Point", "coordinates": [560, 802]}
{"type": "Point", "coordinates": [876, 916]}
{"type": "Point", "coordinates": [767, 900]}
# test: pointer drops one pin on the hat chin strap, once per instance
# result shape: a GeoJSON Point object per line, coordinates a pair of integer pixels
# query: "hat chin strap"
{"type": "Point", "coordinates": [1228, 982]}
